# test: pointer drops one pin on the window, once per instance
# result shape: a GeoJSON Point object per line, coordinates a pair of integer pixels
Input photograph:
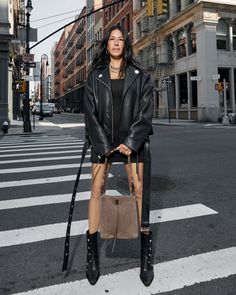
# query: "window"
{"type": "Point", "coordinates": [171, 49]}
{"type": "Point", "coordinates": [183, 90]}
{"type": "Point", "coordinates": [192, 40]}
{"type": "Point", "coordinates": [181, 43]}
{"type": "Point", "coordinates": [222, 35]}
{"type": "Point", "coordinates": [194, 91]}
{"type": "Point", "coordinates": [178, 5]}
{"type": "Point", "coordinates": [234, 37]}
{"type": "Point", "coordinates": [138, 30]}
{"type": "Point", "coordinates": [128, 22]}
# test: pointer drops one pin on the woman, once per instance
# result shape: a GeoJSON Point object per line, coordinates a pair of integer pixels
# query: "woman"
{"type": "Point", "coordinates": [118, 114]}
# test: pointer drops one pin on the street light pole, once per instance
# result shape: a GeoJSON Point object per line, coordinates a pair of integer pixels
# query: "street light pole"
{"type": "Point", "coordinates": [43, 58]}
{"type": "Point", "coordinates": [27, 123]}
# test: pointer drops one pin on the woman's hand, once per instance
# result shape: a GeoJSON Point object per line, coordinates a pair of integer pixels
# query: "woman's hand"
{"type": "Point", "coordinates": [123, 149]}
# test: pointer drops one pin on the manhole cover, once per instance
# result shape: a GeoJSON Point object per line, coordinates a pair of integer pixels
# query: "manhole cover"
{"type": "Point", "coordinates": [158, 183]}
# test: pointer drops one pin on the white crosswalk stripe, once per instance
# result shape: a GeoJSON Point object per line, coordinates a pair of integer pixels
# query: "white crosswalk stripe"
{"type": "Point", "coordinates": [42, 147]}
{"type": "Point", "coordinates": [41, 159]}
{"type": "Point", "coordinates": [57, 230]}
{"type": "Point", "coordinates": [46, 180]}
{"type": "Point", "coordinates": [169, 276]}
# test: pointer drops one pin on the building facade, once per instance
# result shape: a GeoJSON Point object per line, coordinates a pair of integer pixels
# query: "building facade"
{"type": "Point", "coordinates": [193, 49]}
{"type": "Point", "coordinates": [11, 13]}
{"type": "Point", "coordinates": [119, 13]}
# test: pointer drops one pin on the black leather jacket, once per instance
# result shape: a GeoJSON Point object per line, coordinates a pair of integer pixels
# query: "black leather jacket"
{"type": "Point", "coordinates": [136, 109]}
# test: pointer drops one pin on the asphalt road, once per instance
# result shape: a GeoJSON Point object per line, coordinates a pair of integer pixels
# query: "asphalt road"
{"type": "Point", "coordinates": [193, 214]}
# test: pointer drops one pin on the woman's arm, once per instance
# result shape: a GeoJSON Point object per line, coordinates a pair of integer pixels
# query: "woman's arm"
{"type": "Point", "coordinates": [95, 131]}
{"type": "Point", "coordinates": [142, 126]}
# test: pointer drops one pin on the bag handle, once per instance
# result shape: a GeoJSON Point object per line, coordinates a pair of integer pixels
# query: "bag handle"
{"type": "Point", "coordinates": [105, 176]}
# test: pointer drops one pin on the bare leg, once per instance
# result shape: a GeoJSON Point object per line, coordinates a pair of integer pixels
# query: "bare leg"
{"type": "Point", "coordinates": [138, 184]}
{"type": "Point", "coordinates": [98, 183]}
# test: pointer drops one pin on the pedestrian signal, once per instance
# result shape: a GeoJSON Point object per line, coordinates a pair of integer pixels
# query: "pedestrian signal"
{"type": "Point", "coordinates": [19, 86]}
{"type": "Point", "coordinates": [162, 7]}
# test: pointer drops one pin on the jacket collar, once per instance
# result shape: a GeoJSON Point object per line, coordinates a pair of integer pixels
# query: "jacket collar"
{"type": "Point", "coordinates": [131, 74]}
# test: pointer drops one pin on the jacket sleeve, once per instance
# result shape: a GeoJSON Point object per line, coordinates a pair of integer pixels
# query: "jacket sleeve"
{"type": "Point", "coordinates": [94, 130]}
{"type": "Point", "coordinates": [142, 126]}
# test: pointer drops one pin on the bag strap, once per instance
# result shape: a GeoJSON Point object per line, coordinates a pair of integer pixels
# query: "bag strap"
{"type": "Point", "coordinates": [72, 204]}
{"type": "Point", "coordinates": [105, 175]}
{"type": "Point", "coordinates": [145, 223]}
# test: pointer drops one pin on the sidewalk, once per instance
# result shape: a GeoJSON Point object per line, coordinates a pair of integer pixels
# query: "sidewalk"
{"type": "Point", "coordinates": [16, 128]}
{"type": "Point", "coordinates": [175, 122]}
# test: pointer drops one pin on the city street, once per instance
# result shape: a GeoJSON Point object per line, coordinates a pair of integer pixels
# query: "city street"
{"type": "Point", "coordinates": [193, 216]}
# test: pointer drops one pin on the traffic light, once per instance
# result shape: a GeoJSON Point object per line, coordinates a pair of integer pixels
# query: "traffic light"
{"type": "Point", "coordinates": [150, 8]}
{"type": "Point", "coordinates": [162, 7]}
{"type": "Point", "coordinates": [19, 86]}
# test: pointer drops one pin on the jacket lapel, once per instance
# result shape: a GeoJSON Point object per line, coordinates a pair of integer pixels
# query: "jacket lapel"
{"type": "Point", "coordinates": [103, 76]}
{"type": "Point", "coordinates": [131, 74]}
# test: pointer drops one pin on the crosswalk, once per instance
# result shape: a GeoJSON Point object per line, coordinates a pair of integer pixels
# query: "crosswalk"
{"type": "Point", "coordinates": [37, 174]}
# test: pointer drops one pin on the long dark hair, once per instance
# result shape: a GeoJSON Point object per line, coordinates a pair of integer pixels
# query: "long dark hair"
{"type": "Point", "coordinates": [102, 57]}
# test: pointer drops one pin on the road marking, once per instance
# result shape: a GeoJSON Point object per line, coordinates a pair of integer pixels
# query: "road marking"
{"type": "Point", "coordinates": [42, 159]}
{"type": "Point", "coordinates": [45, 168]}
{"type": "Point", "coordinates": [70, 125]}
{"type": "Point", "coordinates": [57, 230]}
{"type": "Point", "coordinates": [17, 139]}
{"type": "Point", "coordinates": [43, 147]}
{"type": "Point", "coordinates": [46, 200]}
{"type": "Point", "coordinates": [17, 144]}
{"type": "Point", "coordinates": [169, 276]}
{"type": "Point", "coordinates": [47, 180]}
{"type": "Point", "coordinates": [42, 153]}
{"type": "Point", "coordinates": [42, 168]}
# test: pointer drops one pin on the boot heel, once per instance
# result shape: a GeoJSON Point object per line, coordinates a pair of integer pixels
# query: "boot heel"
{"type": "Point", "coordinates": [92, 266]}
{"type": "Point", "coordinates": [146, 270]}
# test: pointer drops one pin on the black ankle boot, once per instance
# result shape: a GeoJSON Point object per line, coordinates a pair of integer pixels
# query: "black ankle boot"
{"type": "Point", "coordinates": [146, 271]}
{"type": "Point", "coordinates": [92, 267]}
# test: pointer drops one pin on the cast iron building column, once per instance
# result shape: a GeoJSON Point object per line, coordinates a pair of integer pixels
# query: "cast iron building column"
{"type": "Point", "coordinates": [5, 38]}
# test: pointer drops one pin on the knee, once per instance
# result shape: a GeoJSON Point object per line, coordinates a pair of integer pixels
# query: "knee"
{"type": "Point", "coordinates": [96, 192]}
{"type": "Point", "coordinates": [138, 191]}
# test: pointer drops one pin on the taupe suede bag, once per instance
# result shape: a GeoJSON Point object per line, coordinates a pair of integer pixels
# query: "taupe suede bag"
{"type": "Point", "coordinates": [119, 216]}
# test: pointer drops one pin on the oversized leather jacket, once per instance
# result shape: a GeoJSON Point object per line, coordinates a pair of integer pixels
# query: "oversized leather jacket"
{"type": "Point", "coordinates": [136, 109]}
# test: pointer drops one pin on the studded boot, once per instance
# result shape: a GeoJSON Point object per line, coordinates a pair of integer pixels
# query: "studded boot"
{"type": "Point", "coordinates": [146, 271]}
{"type": "Point", "coordinates": [92, 266]}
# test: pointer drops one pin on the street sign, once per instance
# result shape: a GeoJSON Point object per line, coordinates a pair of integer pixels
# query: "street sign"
{"type": "Point", "coordinates": [28, 57]}
{"type": "Point", "coordinates": [31, 64]}
{"type": "Point", "coordinates": [195, 78]}
{"type": "Point", "coordinates": [166, 79]}
{"type": "Point", "coordinates": [215, 77]}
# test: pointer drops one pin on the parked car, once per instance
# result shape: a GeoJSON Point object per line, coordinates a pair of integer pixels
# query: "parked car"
{"type": "Point", "coordinates": [52, 106]}
{"type": "Point", "coordinates": [47, 112]}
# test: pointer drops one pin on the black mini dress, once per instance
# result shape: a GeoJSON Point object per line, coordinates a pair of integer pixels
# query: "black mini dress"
{"type": "Point", "coordinates": [117, 90]}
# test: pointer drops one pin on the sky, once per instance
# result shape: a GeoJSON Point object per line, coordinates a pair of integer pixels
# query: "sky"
{"type": "Point", "coordinates": [50, 8]}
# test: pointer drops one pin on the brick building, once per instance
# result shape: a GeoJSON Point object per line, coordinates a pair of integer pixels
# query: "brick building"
{"type": "Point", "coordinates": [70, 66]}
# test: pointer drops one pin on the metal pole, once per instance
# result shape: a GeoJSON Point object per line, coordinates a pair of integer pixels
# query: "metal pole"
{"type": "Point", "coordinates": [225, 118]}
{"type": "Point", "coordinates": [168, 97]}
{"type": "Point", "coordinates": [41, 92]}
{"type": "Point", "coordinates": [27, 123]}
